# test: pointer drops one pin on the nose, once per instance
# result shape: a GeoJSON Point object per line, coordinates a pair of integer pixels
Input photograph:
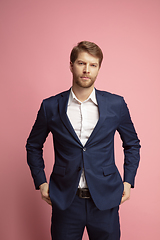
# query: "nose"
{"type": "Point", "coordinates": [86, 69]}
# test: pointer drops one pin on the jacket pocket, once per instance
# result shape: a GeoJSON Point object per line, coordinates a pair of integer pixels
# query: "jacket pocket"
{"type": "Point", "coordinates": [109, 170]}
{"type": "Point", "coordinates": [59, 170]}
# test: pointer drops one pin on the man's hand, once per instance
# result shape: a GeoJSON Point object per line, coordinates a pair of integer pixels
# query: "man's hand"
{"type": "Point", "coordinates": [126, 192]}
{"type": "Point", "coordinates": [44, 189]}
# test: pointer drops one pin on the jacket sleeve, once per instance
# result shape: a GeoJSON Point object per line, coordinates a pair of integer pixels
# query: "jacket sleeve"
{"type": "Point", "coordinates": [34, 147]}
{"type": "Point", "coordinates": [130, 145]}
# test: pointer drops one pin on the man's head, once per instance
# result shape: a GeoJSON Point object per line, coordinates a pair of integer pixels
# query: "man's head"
{"type": "Point", "coordinates": [85, 63]}
{"type": "Point", "coordinates": [88, 47]}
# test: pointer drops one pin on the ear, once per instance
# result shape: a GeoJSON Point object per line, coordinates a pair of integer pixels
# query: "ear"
{"type": "Point", "coordinates": [71, 66]}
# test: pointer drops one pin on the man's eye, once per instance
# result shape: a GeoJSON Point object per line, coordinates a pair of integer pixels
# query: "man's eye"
{"type": "Point", "coordinates": [93, 65]}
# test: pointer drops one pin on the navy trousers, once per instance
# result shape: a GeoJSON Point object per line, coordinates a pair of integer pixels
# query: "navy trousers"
{"type": "Point", "coordinates": [70, 223]}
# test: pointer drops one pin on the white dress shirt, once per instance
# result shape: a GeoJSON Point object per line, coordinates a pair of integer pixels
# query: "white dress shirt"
{"type": "Point", "coordinates": [83, 117]}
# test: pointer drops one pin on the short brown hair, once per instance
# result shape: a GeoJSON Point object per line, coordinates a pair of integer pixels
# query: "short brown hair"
{"type": "Point", "coordinates": [88, 47]}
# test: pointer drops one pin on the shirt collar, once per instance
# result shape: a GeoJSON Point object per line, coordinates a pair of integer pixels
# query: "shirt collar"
{"type": "Point", "coordinates": [92, 97]}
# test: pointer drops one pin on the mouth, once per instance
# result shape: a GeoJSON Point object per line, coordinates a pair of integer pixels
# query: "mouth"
{"type": "Point", "coordinates": [85, 78]}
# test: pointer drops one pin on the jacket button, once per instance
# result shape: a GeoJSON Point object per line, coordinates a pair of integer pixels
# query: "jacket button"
{"type": "Point", "coordinates": [84, 149]}
{"type": "Point", "coordinates": [79, 169]}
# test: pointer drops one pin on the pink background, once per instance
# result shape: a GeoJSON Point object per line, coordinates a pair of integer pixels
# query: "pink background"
{"type": "Point", "coordinates": [36, 39]}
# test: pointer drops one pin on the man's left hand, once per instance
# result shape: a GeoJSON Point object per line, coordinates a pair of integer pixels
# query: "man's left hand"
{"type": "Point", "coordinates": [126, 192]}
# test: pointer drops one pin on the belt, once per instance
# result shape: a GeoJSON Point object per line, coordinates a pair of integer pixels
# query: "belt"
{"type": "Point", "coordinates": [83, 193]}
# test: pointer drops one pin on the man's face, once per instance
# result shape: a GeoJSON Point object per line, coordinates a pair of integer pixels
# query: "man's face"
{"type": "Point", "coordinates": [85, 70]}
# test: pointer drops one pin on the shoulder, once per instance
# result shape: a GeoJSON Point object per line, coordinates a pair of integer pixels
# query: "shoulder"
{"type": "Point", "coordinates": [110, 96]}
{"type": "Point", "coordinates": [54, 99]}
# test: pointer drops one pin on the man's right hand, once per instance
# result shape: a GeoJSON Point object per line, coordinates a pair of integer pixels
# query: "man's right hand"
{"type": "Point", "coordinates": [44, 189]}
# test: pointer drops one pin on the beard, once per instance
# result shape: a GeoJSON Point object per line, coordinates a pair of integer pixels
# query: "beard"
{"type": "Point", "coordinates": [78, 80]}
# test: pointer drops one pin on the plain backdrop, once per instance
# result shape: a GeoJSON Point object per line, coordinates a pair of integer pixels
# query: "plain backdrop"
{"type": "Point", "coordinates": [36, 37]}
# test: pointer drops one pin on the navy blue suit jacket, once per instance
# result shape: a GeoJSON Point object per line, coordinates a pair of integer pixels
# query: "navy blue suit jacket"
{"type": "Point", "coordinates": [97, 156]}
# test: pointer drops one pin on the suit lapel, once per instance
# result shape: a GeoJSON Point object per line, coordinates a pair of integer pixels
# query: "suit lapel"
{"type": "Point", "coordinates": [63, 102]}
{"type": "Point", "coordinates": [102, 107]}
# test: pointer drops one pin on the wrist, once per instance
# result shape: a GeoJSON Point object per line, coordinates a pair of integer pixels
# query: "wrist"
{"type": "Point", "coordinates": [126, 183]}
{"type": "Point", "coordinates": [42, 185]}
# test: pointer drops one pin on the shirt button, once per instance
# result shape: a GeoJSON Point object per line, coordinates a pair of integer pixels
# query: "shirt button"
{"type": "Point", "coordinates": [84, 149]}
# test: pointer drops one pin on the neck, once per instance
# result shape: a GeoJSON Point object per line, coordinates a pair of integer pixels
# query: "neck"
{"type": "Point", "coordinates": [82, 93]}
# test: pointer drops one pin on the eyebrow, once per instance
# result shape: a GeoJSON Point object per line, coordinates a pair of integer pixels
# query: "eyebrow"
{"type": "Point", "coordinates": [85, 62]}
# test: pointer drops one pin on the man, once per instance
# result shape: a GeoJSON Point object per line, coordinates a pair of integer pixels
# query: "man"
{"type": "Point", "coordinates": [85, 186]}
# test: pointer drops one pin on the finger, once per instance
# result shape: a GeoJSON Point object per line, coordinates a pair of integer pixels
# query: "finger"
{"type": "Point", "coordinates": [124, 198]}
{"type": "Point", "coordinates": [47, 199]}
{"type": "Point", "coordinates": [44, 195]}
{"type": "Point", "coordinates": [49, 202]}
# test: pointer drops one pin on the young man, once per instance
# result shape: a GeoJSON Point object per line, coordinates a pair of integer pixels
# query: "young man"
{"type": "Point", "coordinates": [85, 186]}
